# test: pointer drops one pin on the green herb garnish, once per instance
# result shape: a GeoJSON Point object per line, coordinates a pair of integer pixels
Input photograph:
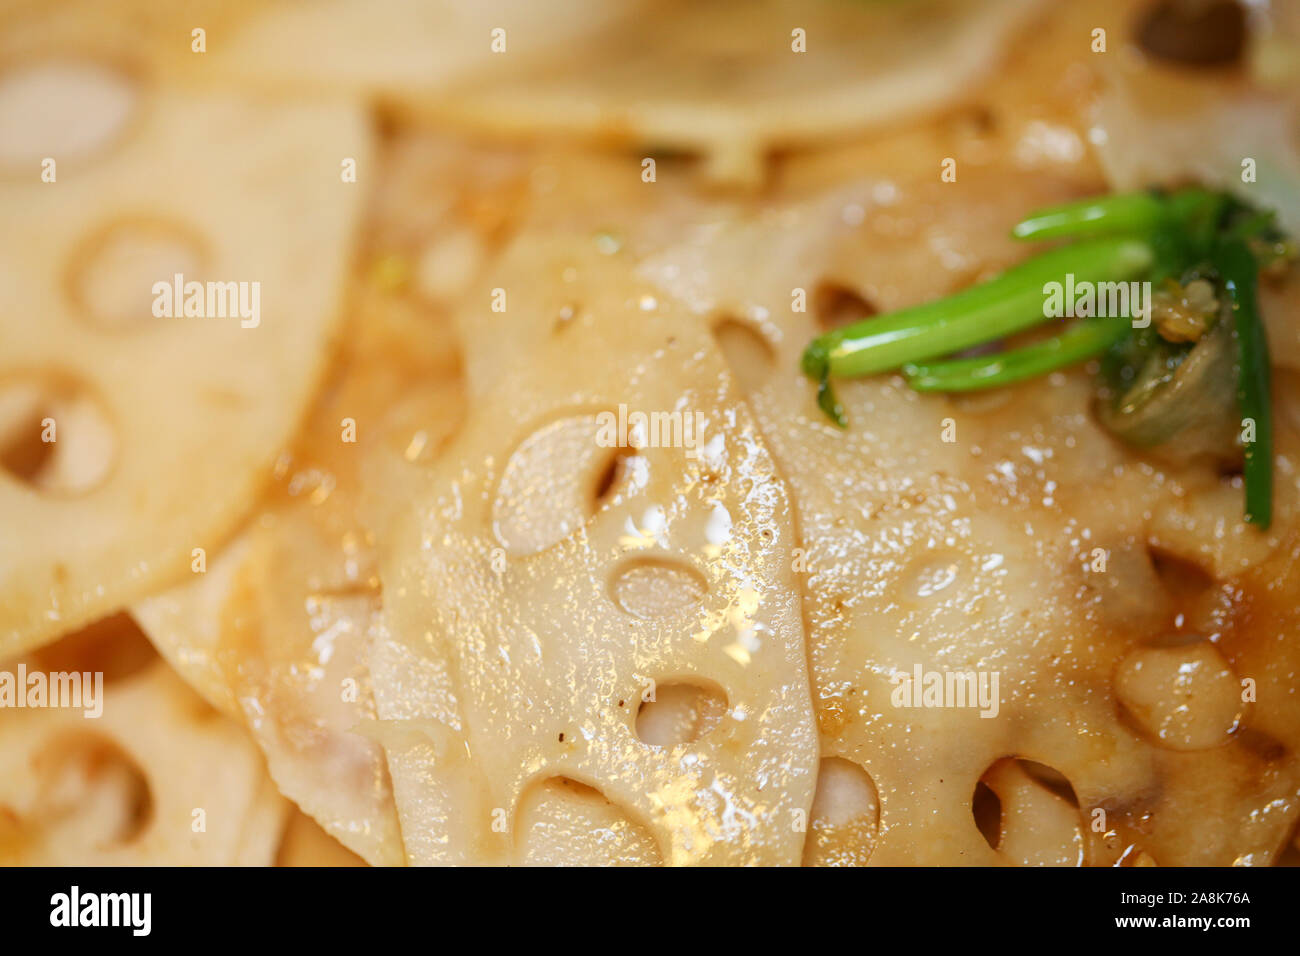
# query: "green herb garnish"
{"type": "Point", "coordinates": [1240, 273]}
{"type": "Point", "coordinates": [1192, 241]}
{"type": "Point", "coordinates": [1082, 340]}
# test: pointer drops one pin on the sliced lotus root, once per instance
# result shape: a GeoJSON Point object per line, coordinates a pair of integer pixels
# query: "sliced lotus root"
{"type": "Point", "coordinates": [399, 364]}
{"type": "Point", "coordinates": [151, 38]}
{"type": "Point", "coordinates": [1141, 655]}
{"type": "Point", "coordinates": [278, 628]}
{"type": "Point", "coordinates": [287, 656]}
{"type": "Point", "coordinates": [128, 440]}
{"type": "Point", "coordinates": [734, 79]}
{"type": "Point", "coordinates": [186, 624]}
{"type": "Point", "coordinates": [157, 779]}
{"type": "Point", "coordinates": [392, 47]}
{"type": "Point", "coordinates": [546, 594]}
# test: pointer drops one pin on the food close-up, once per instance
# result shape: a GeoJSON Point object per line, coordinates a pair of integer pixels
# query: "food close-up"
{"type": "Point", "coordinates": [649, 433]}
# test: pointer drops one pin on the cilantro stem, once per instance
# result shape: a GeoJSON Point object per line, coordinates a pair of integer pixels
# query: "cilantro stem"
{"type": "Point", "coordinates": [1102, 215]}
{"type": "Point", "coordinates": [1080, 341]}
{"type": "Point", "coordinates": [1124, 214]}
{"type": "Point", "coordinates": [1240, 273]}
{"type": "Point", "coordinates": [1009, 303]}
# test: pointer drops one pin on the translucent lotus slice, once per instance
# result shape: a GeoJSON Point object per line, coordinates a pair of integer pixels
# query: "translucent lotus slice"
{"type": "Point", "coordinates": [276, 632]}
{"type": "Point", "coordinates": [546, 582]}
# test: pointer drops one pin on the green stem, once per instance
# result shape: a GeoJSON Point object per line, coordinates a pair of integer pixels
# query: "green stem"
{"type": "Point", "coordinates": [829, 403]}
{"type": "Point", "coordinates": [1009, 303]}
{"type": "Point", "coordinates": [1102, 215]}
{"type": "Point", "coordinates": [1126, 213]}
{"type": "Point", "coordinates": [1239, 270]}
{"type": "Point", "coordinates": [1080, 341]}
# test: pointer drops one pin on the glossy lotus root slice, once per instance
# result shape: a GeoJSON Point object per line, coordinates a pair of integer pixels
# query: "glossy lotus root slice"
{"type": "Point", "coordinates": [977, 558]}
{"type": "Point", "coordinates": [546, 585]}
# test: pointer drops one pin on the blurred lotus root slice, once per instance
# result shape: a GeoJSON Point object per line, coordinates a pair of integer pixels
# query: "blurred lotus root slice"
{"type": "Point", "coordinates": [132, 434]}
{"type": "Point", "coordinates": [158, 778]}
